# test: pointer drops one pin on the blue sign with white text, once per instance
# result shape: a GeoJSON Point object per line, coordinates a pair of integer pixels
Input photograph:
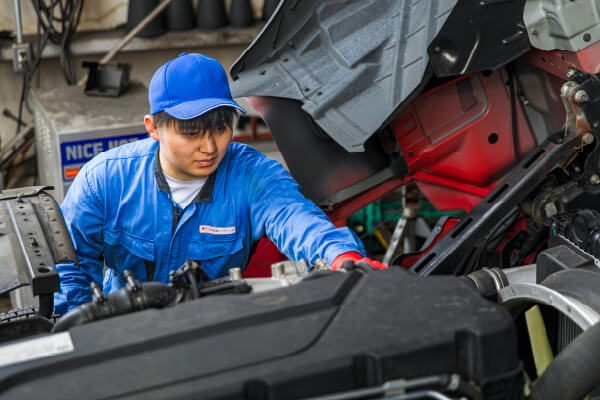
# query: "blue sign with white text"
{"type": "Point", "coordinates": [75, 154]}
{"type": "Point", "coordinates": [83, 151]}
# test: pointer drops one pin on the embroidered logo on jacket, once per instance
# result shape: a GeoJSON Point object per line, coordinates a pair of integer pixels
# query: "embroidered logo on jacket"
{"type": "Point", "coordinates": [216, 230]}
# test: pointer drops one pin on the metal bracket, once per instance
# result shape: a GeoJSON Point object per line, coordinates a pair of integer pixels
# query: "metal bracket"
{"type": "Point", "coordinates": [581, 98]}
{"type": "Point", "coordinates": [444, 256]}
{"type": "Point", "coordinates": [23, 192]}
{"type": "Point", "coordinates": [39, 260]}
{"type": "Point", "coordinates": [51, 219]}
{"type": "Point", "coordinates": [479, 35]}
{"type": "Point", "coordinates": [21, 49]}
{"type": "Point", "coordinates": [584, 103]}
{"type": "Point", "coordinates": [33, 238]}
{"type": "Point", "coordinates": [21, 56]}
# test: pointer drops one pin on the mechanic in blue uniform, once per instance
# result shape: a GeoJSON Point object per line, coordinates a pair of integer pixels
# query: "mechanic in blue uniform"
{"type": "Point", "coordinates": [188, 193]}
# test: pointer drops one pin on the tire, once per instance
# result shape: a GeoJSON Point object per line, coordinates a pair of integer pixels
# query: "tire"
{"type": "Point", "coordinates": [22, 313]}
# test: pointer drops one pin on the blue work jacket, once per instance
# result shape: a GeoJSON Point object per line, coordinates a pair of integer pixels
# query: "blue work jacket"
{"type": "Point", "coordinates": [120, 213]}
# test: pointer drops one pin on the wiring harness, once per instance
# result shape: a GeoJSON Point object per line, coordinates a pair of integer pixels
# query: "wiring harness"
{"type": "Point", "coordinates": [57, 22]}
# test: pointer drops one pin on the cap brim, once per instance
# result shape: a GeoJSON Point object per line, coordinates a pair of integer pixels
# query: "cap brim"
{"type": "Point", "coordinates": [195, 108]}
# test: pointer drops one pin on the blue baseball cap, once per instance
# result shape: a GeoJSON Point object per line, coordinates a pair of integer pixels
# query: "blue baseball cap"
{"type": "Point", "coordinates": [189, 86]}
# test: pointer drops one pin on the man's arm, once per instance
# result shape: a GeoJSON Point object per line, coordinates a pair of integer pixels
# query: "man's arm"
{"type": "Point", "coordinates": [83, 211]}
{"type": "Point", "coordinates": [299, 228]}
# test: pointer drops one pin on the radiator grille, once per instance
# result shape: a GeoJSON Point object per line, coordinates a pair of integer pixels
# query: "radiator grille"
{"type": "Point", "coordinates": [567, 331]}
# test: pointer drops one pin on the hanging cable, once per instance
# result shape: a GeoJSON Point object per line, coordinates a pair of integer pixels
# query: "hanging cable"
{"type": "Point", "coordinates": [513, 110]}
{"type": "Point", "coordinates": [57, 22]}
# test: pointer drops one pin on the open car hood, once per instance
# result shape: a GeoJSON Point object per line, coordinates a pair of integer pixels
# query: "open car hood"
{"type": "Point", "coordinates": [350, 63]}
{"type": "Point", "coordinates": [330, 77]}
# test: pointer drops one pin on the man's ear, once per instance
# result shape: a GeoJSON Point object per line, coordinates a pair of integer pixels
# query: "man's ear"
{"type": "Point", "coordinates": [151, 127]}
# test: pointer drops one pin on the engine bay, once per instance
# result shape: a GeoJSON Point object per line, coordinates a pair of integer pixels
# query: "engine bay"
{"type": "Point", "coordinates": [500, 303]}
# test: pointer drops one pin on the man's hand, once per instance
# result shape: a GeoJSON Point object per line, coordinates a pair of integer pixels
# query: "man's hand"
{"type": "Point", "coordinates": [356, 258]}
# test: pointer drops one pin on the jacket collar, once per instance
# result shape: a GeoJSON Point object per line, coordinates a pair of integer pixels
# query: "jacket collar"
{"type": "Point", "coordinates": [205, 194]}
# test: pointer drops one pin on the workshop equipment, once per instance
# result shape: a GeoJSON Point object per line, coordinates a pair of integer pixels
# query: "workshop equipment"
{"type": "Point", "coordinates": [211, 14]}
{"type": "Point", "coordinates": [179, 15]}
{"type": "Point", "coordinates": [71, 128]}
{"type": "Point", "coordinates": [109, 80]}
{"type": "Point", "coordinates": [133, 31]}
{"type": "Point", "coordinates": [384, 224]}
{"type": "Point", "coordinates": [138, 10]}
{"type": "Point", "coordinates": [241, 14]}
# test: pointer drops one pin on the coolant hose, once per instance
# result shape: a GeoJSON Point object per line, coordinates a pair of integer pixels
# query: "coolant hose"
{"type": "Point", "coordinates": [574, 373]}
{"type": "Point", "coordinates": [487, 281]}
{"type": "Point", "coordinates": [123, 301]}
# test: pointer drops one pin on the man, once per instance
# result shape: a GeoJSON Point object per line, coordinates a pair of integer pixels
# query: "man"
{"type": "Point", "coordinates": [187, 193]}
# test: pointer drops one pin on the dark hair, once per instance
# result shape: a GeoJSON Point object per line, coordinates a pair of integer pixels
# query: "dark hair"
{"type": "Point", "coordinates": [214, 120]}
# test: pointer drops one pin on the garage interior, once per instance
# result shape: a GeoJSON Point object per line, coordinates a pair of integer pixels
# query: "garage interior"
{"type": "Point", "coordinates": [453, 142]}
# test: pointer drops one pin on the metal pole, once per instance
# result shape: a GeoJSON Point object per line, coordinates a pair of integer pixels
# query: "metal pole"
{"type": "Point", "coordinates": [19, 26]}
{"type": "Point", "coordinates": [395, 241]}
{"type": "Point", "coordinates": [159, 8]}
{"type": "Point", "coordinates": [398, 231]}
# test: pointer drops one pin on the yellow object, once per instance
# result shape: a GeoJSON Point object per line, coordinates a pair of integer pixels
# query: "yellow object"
{"type": "Point", "coordinates": [540, 346]}
{"type": "Point", "coordinates": [381, 240]}
{"type": "Point", "coordinates": [527, 386]}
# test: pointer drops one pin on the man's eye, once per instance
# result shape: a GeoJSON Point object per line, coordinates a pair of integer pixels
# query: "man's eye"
{"type": "Point", "coordinates": [189, 132]}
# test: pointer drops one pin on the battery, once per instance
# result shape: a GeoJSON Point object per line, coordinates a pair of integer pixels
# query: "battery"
{"type": "Point", "coordinates": [71, 128]}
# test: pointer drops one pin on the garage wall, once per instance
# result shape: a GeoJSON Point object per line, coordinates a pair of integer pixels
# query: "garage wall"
{"type": "Point", "coordinates": [143, 66]}
{"type": "Point", "coordinates": [97, 16]}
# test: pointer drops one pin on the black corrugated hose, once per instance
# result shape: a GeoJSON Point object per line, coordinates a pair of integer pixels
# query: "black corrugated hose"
{"type": "Point", "coordinates": [123, 301]}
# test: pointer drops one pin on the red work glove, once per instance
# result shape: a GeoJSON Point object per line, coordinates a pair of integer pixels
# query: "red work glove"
{"type": "Point", "coordinates": [355, 258]}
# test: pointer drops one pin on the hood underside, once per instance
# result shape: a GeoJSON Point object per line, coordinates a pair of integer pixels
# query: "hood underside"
{"type": "Point", "coordinates": [350, 63]}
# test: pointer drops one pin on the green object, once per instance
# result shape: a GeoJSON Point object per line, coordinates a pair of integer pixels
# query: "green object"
{"type": "Point", "coordinates": [368, 218]}
{"type": "Point", "coordinates": [527, 386]}
{"type": "Point", "coordinates": [428, 211]}
{"type": "Point", "coordinates": [374, 214]}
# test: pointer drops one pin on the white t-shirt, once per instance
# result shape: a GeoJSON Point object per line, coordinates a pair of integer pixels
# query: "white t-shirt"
{"type": "Point", "coordinates": [184, 192]}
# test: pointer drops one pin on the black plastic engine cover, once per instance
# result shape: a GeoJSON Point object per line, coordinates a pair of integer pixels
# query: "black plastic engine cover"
{"type": "Point", "coordinates": [333, 333]}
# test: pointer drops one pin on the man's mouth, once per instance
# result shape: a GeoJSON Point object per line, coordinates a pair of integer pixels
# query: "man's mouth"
{"type": "Point", "coordinates": [205, 163]}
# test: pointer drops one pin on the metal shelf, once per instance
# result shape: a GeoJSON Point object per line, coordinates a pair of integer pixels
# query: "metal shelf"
{"type": "Point", "coordinates": [89, 43]}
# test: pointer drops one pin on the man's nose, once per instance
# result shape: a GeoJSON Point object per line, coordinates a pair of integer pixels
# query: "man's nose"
{"type": "Point", "coordinates": [207, 144]}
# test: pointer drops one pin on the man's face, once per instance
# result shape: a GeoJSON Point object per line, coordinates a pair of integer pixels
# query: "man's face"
{"type": "Point", "coordinates": [189, 157]}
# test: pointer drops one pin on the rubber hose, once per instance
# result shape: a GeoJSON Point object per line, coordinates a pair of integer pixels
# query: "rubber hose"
{"type": "Point", "coordinates": [123, 301]}
{"type": "Point", "coordinates": [470, 391]}
{"type": "Point", "coordinates": [484, 283]}
{"type": "Point", "coordinates": [194, 283]}
{"type": "Point", "coordinates": [574, 372]}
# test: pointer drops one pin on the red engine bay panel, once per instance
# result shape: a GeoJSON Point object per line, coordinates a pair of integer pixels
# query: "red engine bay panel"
{"type": "Point", "coordinates": [557, 62]}
{"type": "Point", "coordinates": [457, 139]}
